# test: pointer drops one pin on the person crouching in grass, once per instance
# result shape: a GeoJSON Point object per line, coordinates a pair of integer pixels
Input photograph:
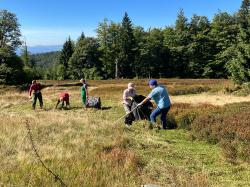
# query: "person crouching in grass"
{"type": "Point", "coordinates": [63, 97]}
{"type": "Point", "coordinates": [160, 95]}
{"type": "Point", "coordinates": [36, 88]}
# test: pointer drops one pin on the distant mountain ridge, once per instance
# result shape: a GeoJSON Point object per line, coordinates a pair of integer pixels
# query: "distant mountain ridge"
{"type": "Point", "coordinates": [44, 48]}
{"type": "Point", "coordinates": [41, 49]}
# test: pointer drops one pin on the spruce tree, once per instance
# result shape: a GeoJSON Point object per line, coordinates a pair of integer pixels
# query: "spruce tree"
{"type": "Point", "coordinates": [66, 53]}
{"type": "Point", "coordinates": [128, 46]}
{"type": "Point", "coordinates": [239, 65]}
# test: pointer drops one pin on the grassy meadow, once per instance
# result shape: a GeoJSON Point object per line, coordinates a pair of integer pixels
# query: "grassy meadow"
{"type": "Point", "coordinates": [88, 147]}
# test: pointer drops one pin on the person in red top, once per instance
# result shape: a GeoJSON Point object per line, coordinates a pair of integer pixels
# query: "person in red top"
{"type": "Point", "coordinates": [36, 88]}
{"type": "Point", "coordinates": [63, 97]}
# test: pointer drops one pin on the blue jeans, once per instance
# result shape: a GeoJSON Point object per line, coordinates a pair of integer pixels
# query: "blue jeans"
{"type": "Point", "coordinates": [163, 113]}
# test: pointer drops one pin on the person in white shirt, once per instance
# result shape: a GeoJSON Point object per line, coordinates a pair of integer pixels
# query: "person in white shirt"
{"type": "Point", "coordinates": [128, 95]}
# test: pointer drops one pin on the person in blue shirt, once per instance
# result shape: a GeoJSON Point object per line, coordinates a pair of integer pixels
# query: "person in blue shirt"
{"type": "Point", "coordinates": [160, 95]}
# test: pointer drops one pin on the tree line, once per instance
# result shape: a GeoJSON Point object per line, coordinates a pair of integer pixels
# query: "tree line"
{"type": "Point", "coordinates": [195, 48]}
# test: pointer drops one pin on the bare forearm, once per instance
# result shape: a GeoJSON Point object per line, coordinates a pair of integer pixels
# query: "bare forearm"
{"type": "Point", "coordinates": [145, 100]}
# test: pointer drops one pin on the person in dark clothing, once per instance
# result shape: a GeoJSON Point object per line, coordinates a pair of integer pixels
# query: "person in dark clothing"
{"type": "Point", "coordinates": [36, 88]}
{"type": "Point", "coordinates": [63, 97]}
{"type": "Point", "coordinates": [142, 113]}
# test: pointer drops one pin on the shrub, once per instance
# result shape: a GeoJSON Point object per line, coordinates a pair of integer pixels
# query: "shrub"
{"type": "Point", "coordinates": [188, 90]}
{"type": "Point", "coordinates": [229, 151]}
{"type": "Point", "coordinates": [171, 122]}
{"type": "Point", "coordinates": [229, 124]}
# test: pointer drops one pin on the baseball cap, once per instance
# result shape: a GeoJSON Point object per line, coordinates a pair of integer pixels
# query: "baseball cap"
{"type": "Point", "coordinates": [152, 82]}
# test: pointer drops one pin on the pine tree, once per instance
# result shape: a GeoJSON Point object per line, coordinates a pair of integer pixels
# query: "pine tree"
{"type": "Point", "coordinates": [200, 47]}
{"type": "Point", "coordinates": [223, 34]}
{"type": "Point", "coordinates": [178, 48]}
{"type": "Point", "coordinates": [239, 65]}
{"type": "Point", "coordinates": [66, 53]}
{"type": "Point", "coordinates": [128, 46]}
{"type": "Point", "coordinates": [25, 56]}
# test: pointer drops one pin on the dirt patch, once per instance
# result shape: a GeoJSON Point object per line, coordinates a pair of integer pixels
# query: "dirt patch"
{"type": "Point", "coordinates": [219, 99]}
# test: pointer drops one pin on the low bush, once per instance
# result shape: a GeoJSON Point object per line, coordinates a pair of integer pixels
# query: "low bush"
{"type": "Point", "coordinates": [185, 113]}
{"type": "Point", "coordinates": [239, 90]}
{"type": "Point", "coordinates": [230, 126]}
{"type": "Point", "coordinates": [184, 90]}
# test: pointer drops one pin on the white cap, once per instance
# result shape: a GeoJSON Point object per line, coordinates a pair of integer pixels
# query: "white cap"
{"type": "Point", "coordinates": [131, 86]}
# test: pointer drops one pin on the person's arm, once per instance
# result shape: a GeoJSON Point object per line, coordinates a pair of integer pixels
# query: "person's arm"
{"type": "Point", "coordinates": [30, 91]}
{"type": "Point", "coordinates": [147, 98]}
{"type": "Point", "coordinates": [124, 97]}
{"type": "Point", "coordinates": [58, 101]}
{"type": "Point", "coordinates": [144, 101]}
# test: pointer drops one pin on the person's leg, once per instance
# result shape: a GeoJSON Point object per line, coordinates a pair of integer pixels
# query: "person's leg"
{"type": "Point", "coordinates": [34, 101]}
{"type": "Point", "coordinates": [62, 104]}
{"type": "Point", "coordinates": [154, 114]}
{"type": "Point", "coordinates": [126, 108]}
{"type": "Point", "coordinates": [84, 98]}
{"type": "Point", "coordinates": [40, 98]}
{"type": "Point", "coordinates": [164, 112]}
{"type": "Point", "coordinates": [128, 118]}
{"type": "Point", "coordinates": [67, 104]}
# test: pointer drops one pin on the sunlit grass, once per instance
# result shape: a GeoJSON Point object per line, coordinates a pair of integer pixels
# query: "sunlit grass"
{"type": "Point", "coordinates": [86, 147]}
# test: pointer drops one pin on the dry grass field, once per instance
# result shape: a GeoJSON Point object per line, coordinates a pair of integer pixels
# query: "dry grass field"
{"type": "Point", "coordinates": [88, 147]}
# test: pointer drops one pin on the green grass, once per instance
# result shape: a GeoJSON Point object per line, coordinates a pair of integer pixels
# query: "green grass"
{"type": "Point", "coordinates": [86, 148]}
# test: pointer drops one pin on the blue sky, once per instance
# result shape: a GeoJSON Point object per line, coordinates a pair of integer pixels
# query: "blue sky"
{"type": "Point", "coordinates": [50, 22]}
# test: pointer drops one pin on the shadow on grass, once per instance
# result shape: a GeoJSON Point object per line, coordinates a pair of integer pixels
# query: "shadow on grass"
{"type": "Point", "coordinates": [106, 108]}
{"type": "Point", "coordinates": [75, 107]}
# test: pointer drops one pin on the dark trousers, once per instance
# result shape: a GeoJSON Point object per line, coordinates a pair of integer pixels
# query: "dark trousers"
{"type": "Point", "coordinates": [39, 97]}
{"type": "Point", "coordinates": [163, 113]}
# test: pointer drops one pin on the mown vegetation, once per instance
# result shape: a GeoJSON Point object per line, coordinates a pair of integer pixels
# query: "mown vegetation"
{"type": "Point", "coordinates": [210, 146]}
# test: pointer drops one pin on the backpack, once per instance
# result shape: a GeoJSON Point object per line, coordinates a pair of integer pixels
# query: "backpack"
{"type": "Point", "coordinates": [94, 102]}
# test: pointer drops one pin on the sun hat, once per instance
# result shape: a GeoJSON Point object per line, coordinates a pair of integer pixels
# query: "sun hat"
{"type": "Point", "coordinates": [131, 86]}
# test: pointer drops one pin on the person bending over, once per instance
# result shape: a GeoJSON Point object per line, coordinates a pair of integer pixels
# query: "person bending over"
{"type": "Point", "coordinates": [63, 98]}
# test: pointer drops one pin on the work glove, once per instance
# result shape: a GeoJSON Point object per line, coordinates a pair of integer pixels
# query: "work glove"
{"type": "Point", "coordinates": [131, 98]}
